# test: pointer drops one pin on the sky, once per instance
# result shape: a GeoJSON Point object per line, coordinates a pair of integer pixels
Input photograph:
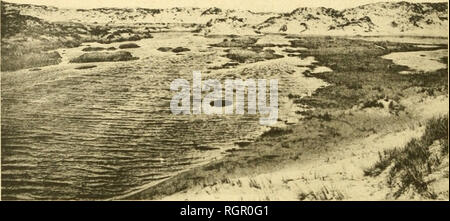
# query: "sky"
{"type": "Point", "coordinates": [253, 5]}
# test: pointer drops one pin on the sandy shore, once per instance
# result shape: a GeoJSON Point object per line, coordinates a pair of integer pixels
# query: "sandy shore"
{"type": "Point", "coordinates": [333, 175]}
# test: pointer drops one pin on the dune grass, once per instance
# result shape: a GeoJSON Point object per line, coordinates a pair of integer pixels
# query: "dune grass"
{"type": "Point", "coordinates": [324, 194]}
{"type": "Point", "coordinates": [408, 166]}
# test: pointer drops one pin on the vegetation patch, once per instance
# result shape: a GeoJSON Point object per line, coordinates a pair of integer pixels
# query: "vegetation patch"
{"type": "Point", "coordinates": [409, 167]}
{"type": "Point", "coordinates": [104, 57]}
{"type": "Point", "coordinates": [93, 49]}
{"type": "Point", "coordinates": [180, 49]}
{"type": "Point", "coordinates": [85, 67]}
{"type": "Point", "coordinates": [28, 60]}
{"type": "Point", "coordinates": [236, 42]}
{"type": "Point", "coordinates": [89, 49]}
{"type": "Point", "coordinates": [164, 49]}
{"type": "Point", "coordinates": [129, 45]}
{"type": "Point", "coordinates": [360, 74]}
{"type": "Point", "coordinates": [250, 56]}
{"type": "Point", "coordinates": [324, 194]}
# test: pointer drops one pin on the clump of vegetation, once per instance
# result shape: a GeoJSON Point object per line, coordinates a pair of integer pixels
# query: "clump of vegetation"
{"type": "Point", "coordinates": [88, 49]}
{"type": "Point", "coordinates": [93, 49]}
{"type": "Point", "coordinates": [409, 166]}
{"type": "Point", "coordinates": [85, 67]}
{"type": "Point", "coordinates": [180, 49]}
{"type": "Point", "coordinates": [174, 50]}
{"type": "Point", "coordinates": [289, 50]}
{"type": "Point", "coordinates": [236, 42]}
{"type": "Point", "coordinates": [129, 45]}
{"type": "Point", "coordinates": [254, 184]}
{"type": "Point", "coordinates": [250, 56]}
{"type": "Point", "coordinates": [104, 57]}
{"type": "Point", "coordinates": [325, 116]}
{"type": "Point", "coordinates": [372, 103]}
{"type": "Point", "coordinates": [164, 49]}
{"type": "Point", "coordinates": [276, 131]}
{"type": "Point", "coordinates": [106, 35]}
{"type": "Point", "coordinates": [324, 193]}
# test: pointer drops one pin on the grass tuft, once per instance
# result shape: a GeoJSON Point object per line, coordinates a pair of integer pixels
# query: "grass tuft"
{"type": "Point", "coordinates": [409, 166]}
{"type": "Point", "coordinates": [323, 194]}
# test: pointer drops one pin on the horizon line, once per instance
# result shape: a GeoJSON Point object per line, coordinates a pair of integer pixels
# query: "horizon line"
{"type": "Point", "coordinates": [21, 2]}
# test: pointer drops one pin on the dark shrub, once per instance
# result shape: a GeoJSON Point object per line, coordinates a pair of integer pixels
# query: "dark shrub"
{"type": "Point", "coordinates": [129, 45]}
{"type": "Point", "coordinates": [164, 49]}
{"type": "Point", "coordinates": [103, 57]}
{"type": "Point", "coordinates": [93, 49]}
{"type": "Point", "coordinates": [85, 67]}
{"type": "Point", "coordinates": [180, 49]}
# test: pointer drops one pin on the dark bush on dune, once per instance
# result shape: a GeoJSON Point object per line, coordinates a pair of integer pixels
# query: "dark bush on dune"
{"type": "Point", "coordinates": [93, 49]}
{"type": "Point", "coordinates": [236, 42]}
{"type": "Point", "coordinates": [249, 56]}
{"type": "Point", "coordinates": [122, 35]}
{"type": "Point", "coordinates": [85, 67]}
{"type": "Point", "coordinates": [104, 57]}
{"type": "Point", "coordinates": [98, 49]}
{"type": "Point", "coordinates": [129, 45]}
{"type": "Point", "coordinates": [164, 49]}
{"type": "Point", "coordinates": [276, 131]}
{"type": "Point", "coordinates": [180, 49]}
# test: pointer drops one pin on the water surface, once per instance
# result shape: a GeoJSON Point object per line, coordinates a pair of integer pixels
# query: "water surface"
{"type": "Point", "coordinates": [107, 131]}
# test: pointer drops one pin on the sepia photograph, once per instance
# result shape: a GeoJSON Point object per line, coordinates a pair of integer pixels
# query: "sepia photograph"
{"type": "Point", "coordinates": [209, 100]}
